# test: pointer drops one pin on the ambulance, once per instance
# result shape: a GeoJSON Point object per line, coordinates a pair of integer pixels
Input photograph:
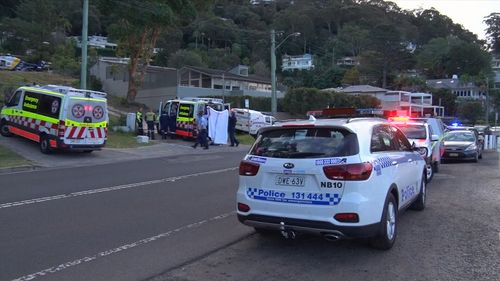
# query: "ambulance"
{"type": "Point", "coordinates": [57, 117]}
{"type": "Point", "coordinates": [183, 112]}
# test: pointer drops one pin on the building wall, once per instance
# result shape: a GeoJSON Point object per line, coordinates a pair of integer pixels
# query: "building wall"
{"type": "Point", "coordinates": [158, 85]}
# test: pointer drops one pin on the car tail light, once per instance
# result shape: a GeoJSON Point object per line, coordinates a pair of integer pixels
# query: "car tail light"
{"type": "Point", "coordinates": [349, 172]}
{"type": "Point", "coordinates": [346, 217]}
{"type": "Point", "coordinates": [243, 207]}
{"type": "Point", "coordinates": [248, 168]}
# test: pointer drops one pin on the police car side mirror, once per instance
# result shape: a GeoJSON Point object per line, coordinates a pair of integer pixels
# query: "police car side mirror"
{"type": "Point", "coordinates": [434, 138]}
{"type": "Point", "coordinates": [414, 147]}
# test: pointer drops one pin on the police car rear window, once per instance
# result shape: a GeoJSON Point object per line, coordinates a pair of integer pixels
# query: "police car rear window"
{"type": "Point", "coordinates": [306, 143]}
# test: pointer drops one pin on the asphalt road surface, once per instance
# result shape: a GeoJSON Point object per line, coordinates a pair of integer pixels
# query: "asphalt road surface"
{"type": "Point", "coordinates": [173, 218]}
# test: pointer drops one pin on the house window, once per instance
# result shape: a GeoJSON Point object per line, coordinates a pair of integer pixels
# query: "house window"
{"type": "Point", "coordinates": [236, 87]}
{"type": "Point", "coordinates": [206, 81]}
{"type": "Point", "coordinates": [216, 86]}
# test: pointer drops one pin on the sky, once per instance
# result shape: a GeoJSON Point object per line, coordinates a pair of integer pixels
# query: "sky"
{"type": "Point", "coordinates": [469, 13]}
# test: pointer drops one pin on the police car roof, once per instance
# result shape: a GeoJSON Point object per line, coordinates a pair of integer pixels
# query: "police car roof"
{"type": "Point", "coordinates": [345, 122]}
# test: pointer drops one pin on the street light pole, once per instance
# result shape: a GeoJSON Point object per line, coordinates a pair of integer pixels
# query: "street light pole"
{"type": "Point", "coordinates": [83, 70]}
{"type": "Point", "coordinates": [274, 103]}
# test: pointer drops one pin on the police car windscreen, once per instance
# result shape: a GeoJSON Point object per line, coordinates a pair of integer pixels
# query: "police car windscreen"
{"type": "Point", "coordinates": [306, 143]}
{"type": "Point", "coordinates": [413, 131]}
{"type": "Point", "coordinates": [87, 111]}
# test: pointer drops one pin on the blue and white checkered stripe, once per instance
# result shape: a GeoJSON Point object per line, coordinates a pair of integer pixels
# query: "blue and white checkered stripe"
{"type": "Point", "coordinates": [333, 198]}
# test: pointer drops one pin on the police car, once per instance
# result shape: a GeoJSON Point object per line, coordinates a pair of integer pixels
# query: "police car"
{"type": "Point", "coordinates": [337, 178]}
{"type": "Point", "coordinates": [430, 146]}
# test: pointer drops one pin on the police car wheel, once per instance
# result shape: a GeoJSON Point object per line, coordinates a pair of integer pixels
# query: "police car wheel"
{"type": "Point", "coordinates": [430, 172]}
{"type": "Point", "coordinates": [44, 144]}
{"type": "Point", "coordinates": [4, 130]}
{"type": "Point", "coordinates": [436, 167]}
{"type": "Point", "coordinates": [419, 204]}
{"type": "Point", "coordinates": [388, 226]}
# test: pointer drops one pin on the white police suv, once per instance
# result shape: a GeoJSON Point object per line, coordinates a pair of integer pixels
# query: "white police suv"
{"type": "Point", "coordinates": [334, 177]}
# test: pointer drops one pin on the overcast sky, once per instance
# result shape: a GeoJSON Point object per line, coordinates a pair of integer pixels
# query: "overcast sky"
{"type": "Point", "coordinates": [469, 13]}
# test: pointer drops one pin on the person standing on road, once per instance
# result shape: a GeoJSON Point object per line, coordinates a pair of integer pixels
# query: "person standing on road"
{"type": "Point", "coordinates": [231, 129]}
{"type": "Point", "coordinates": [202, 124]}
{"type": "Point", "coordinates": [138, 122]}
{"type": "Point", "coordinates": [163, 125]}
{"type": "Point", "coordinates": [150, 121]}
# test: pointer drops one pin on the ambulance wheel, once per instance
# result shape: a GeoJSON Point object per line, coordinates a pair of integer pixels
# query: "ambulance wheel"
{"type": "Point", "coordinates": [4, 129]}
{"type": "Point", "coordinates": [44, 144]}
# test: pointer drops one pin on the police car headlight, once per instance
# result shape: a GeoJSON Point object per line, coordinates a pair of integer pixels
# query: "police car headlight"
{"type": "Point", "coordinates": [422, 151]}
{"type": "Point", "coordinates": [471, 147]}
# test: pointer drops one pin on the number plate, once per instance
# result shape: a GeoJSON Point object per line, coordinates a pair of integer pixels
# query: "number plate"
{"type": "Point", "coordinates": [453, 154]}
{"type": "Point", "coordinates": [290, 180]}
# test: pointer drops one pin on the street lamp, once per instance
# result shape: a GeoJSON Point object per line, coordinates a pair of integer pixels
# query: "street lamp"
{"type": "Point", "coordinates": [274, 47]}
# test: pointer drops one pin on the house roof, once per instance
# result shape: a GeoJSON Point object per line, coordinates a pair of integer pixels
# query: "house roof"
{"type": "Point", "coordinates": [363, 89]}
{"type": "Point", "coordinates": [217, 73]}
{"type": "Point", "coordinates": [448, 84]}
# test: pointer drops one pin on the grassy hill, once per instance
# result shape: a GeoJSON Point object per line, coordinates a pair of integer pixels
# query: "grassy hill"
{"type": "Point", "coordinates": [10, 80]}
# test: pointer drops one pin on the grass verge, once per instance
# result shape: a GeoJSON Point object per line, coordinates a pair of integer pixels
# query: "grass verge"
{"type": "Point", "coordinates": [123, 140]}
{"type": "Point", "coordinates": [11, 159]}
{"type": "Point", "coordinates": [245, 139]}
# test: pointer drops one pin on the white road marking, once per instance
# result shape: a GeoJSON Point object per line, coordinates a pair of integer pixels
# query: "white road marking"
{"type": "Point", "coordinates": [76, 262]}
{"type": "Point", "coordinates": [112, 188]}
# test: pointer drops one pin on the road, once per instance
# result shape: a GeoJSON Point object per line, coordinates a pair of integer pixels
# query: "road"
{"type": "Point", "coordinates": [172, 218]}
{"type": "Point", "coordinates": [123, 221]}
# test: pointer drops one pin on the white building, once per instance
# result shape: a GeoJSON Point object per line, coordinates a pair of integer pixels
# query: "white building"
{"type": "Point", "coordinates": [98, 42]}
{"type": "Point", "coordinates": [304, 62]}
{"type": "Point", "coordinates": [463, 90]}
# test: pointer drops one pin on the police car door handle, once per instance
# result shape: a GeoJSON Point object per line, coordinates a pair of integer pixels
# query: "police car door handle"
{"type": "Point", "coordinates": [394, 163]}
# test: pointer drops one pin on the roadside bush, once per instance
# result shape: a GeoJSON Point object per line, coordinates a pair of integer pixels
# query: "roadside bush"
{"type": "Point", "coordinates": [300, 100]}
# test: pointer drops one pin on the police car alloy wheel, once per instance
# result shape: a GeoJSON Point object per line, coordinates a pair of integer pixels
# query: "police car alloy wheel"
{"type": "Point", "coordinates": [389, 226]}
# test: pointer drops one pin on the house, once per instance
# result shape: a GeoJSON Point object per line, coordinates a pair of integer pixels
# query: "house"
{"type": "Point", "coordinates": [348, 61]}
{"type": "Point", "coordinates": [463, 90]}
{"type": "Point", "coordinates": [200, 81]}
{"type": "Point", "coordinates": [163, 83]}
{"type": "Point", "coordinates": [159, 83]}
{"type": "Point", "coordinates": [98, 42]}
{"type": "Point", "coordinates": [303, 62]}
{"type": "Point", "coordinates": [415, 104]}
{"type": "Point", "coordinates": [495, 66]}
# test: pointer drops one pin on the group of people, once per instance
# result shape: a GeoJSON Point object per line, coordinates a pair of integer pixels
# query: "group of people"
{"type": "Point", "coordinates": [163, 127]}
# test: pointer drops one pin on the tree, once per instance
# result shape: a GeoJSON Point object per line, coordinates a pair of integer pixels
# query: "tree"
{"type": "Point", "coordinates": [137, 25]}
{"type": "Point", "coordinates": [493, 32]}
{"type": "Point", "coordinates": [185, 58]}
{"type": "Point", "coordinates": [470, 110]}
{"type": "Point", "coordinates": [445, 98]}
{"type": "Point", "coordinates": [300, 100]}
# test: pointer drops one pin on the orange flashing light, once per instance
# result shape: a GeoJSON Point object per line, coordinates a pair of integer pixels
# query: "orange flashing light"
{"type": "Point", "coordinates": [400, 118]}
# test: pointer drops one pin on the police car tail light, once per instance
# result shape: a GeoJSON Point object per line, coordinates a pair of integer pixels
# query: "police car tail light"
{"type": "Point", "coordinates": [248, 168]}
{"type": "Point", "coordinates": [243, 207]}
{"type": "Point", "coordinates": [349, 172]}
{"type": "Point", "coordinates": [346, 217]}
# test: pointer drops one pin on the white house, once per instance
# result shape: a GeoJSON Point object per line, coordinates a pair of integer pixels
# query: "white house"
{"type": "Point", "coordinates": [303, 62]}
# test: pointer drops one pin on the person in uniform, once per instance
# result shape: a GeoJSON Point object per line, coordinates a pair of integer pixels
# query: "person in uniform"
{"type": "Point", "coordinates": [138, 122]}
{"type": "Point", "coordinates": [164, 125]}
{"type": "Point", "coordinates": [231, 129]}
{"type": "Point", "coordinates": [202, 125]}
{"type": "Point", "coordinates": [150, 121]}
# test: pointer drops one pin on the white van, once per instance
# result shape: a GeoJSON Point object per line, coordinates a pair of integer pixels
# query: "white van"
{"type": "Point", "coordinates": [251, 121]}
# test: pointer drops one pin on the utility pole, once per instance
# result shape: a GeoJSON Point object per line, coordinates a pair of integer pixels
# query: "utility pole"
{"type": "Point", "coordinates": [487, 114]}
{"type": "Point", "coordinates": [85, 23]}
{"type": "Point", "coordinates": [274, 104]}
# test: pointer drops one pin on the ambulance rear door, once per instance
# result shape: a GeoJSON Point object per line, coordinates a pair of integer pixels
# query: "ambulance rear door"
{"type": "Point", "coordinates": [85, 120]}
